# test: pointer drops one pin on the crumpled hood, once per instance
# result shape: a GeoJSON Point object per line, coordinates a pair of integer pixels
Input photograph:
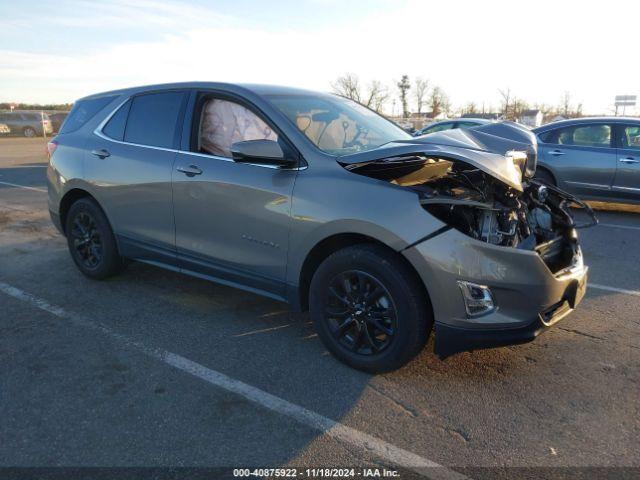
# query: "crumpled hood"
{"type": "Point", "coordinates": [484, 147]}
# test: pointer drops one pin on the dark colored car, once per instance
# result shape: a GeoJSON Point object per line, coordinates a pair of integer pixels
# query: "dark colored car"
{"type": "Point", "coordinates": [451, 124]}
{"type": "Point", "coordinates": [594, 158]}
{"type": "Point", "coordinates": [57, 119]}
{"type": "Point", "coordinates": [317, 201]}
{"type": "Point", "coordinates": [25, 123]}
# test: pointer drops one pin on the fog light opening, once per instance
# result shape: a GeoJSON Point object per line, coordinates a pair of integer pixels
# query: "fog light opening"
{"type": "Point", "coordinates": [478, 299]}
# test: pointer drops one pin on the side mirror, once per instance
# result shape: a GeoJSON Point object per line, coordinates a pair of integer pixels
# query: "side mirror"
{"type": "Point", "coordinates": [267, 152]}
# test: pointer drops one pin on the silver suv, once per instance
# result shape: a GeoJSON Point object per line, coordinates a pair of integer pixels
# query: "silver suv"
{"type": "Point", "coordinates": [315, 200]}
{"type": "Point", "coordinates": [27, 124]}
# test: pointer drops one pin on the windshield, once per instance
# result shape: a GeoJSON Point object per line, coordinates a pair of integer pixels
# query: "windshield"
{"type": "Point", "coordinates": [337, 125]}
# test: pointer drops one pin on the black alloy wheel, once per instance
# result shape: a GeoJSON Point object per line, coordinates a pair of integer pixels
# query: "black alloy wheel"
{"type": "Point", "coordinates": [360, 312]}
{"type": "Point", "coordinates": [370, 308]}
{"type": "Point", "coordinates": [86, 240]}
{"type": "Point", "coordinates": [91, 241]}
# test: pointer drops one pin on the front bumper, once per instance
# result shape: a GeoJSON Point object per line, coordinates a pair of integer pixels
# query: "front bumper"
{"type": "Point", "coordinates": [529, 298]}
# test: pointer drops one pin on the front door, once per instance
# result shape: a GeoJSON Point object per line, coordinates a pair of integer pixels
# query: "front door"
{"type": "Point", "coordinates": [232, 219]}
{"type": "Point", "coordinates": [627, 179]}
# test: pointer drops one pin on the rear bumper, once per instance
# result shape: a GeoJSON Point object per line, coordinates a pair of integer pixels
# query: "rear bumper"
{"type": "Point", "coordinates": [529, 298]}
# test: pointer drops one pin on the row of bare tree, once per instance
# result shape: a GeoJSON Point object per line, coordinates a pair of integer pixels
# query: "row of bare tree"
{"type": "Point", "coordinates": [376, 95]}
{"type": "Point", "coordinates": [422, 95]}
{"type": "Point", "coordinates": [512, 106]}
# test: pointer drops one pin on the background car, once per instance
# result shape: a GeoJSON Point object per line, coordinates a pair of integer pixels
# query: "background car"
{"type": "Point", "coordinates": [57, 119]}
{"type": "Point", "coordinates": [4, 129]}
{"type": "Point", "coordinates": [451, 124]}
{"type": "Point", "coordinates": [28, 124]}
{"type": "Point", "coordinates": [595, 158]}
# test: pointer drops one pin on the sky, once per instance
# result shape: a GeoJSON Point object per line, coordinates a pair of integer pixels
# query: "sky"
{"type": "Point", "coordinates": [58, 51]}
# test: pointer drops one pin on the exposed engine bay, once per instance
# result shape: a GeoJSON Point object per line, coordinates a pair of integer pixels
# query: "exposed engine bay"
{"type": "Point", "coordinates": [538, 218]}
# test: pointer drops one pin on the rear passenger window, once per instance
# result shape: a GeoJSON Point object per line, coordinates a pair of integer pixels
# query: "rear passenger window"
{"type": "Point", "coordinates": [116, 124]}
{"type": "Point", "coordinates": [153, 119]}
{"type": "Point", "coordinates": [583, 136]}
{"type": "Point", "coordinates": [631, 136]}
{"type": "Point", "coordinates": [83, 111]}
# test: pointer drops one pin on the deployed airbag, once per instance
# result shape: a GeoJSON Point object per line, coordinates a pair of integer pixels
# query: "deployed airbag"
{"type": "Point", "coordinates": [225, 123]}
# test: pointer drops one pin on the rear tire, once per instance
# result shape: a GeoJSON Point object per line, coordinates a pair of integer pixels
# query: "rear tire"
{"type": "Point", "coordinates": [369, 308]}
{"type": "Point", "coordinates": [29, 132]}
{"type": "Point", "coordinates": [545, 177]}
{"type": "Point", "coordinates": [91, 242]}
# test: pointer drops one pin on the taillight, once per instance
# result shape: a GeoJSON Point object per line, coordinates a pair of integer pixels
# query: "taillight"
{"type": "Point", "coordinates": [51, 147]}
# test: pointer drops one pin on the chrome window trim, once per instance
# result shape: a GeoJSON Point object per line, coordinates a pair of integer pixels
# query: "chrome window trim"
{"type": "Point", "coordinates": [98, 132]}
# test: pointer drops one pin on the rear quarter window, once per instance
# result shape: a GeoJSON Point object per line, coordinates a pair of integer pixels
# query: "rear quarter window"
{"type": "Point", "coordinates": [117, 123]}
{"type": "Point", "coordinates": [83, 111]}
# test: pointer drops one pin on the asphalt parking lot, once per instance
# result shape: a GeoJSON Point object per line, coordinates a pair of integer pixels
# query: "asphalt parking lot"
{"type": "Point", "coordinates": [153, 368]}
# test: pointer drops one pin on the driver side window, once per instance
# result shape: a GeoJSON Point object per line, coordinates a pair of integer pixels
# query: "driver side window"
{"type": "Point", "coordinates": [223, 123]}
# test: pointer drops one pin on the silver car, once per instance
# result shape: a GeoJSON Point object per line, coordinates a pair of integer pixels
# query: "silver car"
{"type": "Point", "coordinates": [595, 158]}
{"type": "Point", "coordinates": [27, 123]}
{"type": "Point", "coordinates": [317, 201]}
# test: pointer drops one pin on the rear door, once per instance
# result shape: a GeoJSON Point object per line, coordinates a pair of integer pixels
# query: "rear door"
{"type": "Point", "coordinates": [129, 163]}
{"type": "Point", "coordinates": [627, 178]}
{"type": "Point", "coordinates": [232, 219]}
{"type": "Point", "coordinates": [582, 157]}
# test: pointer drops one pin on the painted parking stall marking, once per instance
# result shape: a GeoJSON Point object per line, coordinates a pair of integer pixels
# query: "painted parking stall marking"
{"type": "Point", "coordinates": [596, 286]}
{"type": "Point", "coordinates": [383, 450]}
{"type": "Point", "coordinates": [36, 189]}
{"type": "Point", "coordinates": [624, 227]}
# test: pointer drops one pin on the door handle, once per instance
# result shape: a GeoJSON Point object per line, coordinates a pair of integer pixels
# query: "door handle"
{"type": "Point", "coordinates": [190, 171]}
{"type": "Point", "coordinates": [556, 153]}
{"type": "Point", "coordinates": [102, 153]}
{"type": "Point", "coordinates": [629, 160]}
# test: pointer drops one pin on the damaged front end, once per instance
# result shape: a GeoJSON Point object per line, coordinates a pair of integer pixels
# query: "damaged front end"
{"type": "Point", "coordinates": [480, 182]}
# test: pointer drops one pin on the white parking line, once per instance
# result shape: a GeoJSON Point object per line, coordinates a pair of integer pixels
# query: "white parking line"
{"type": "Point", "coordinates": [635, 293]}
{"type": "Point", "coordinates": [43, 190]}
{"type": "Point", "coordinates": [381, 449]}
{"type": "Point", "coordinates": [612, 225]}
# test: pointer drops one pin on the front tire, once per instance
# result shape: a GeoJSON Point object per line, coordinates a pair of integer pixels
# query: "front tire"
{"type": "Point", "coordinates": [369, 308]}
{"type": "Point", "coordinates": [91, 242]}
{"type": "Point", "coordinates": [29, 132]}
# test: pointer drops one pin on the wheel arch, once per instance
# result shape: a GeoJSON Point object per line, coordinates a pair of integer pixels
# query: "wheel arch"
{"type": "Point", "coordinates": [548, 171]}
{"type": "Point", "coordinates": [69, 198]}
{"type": "Point", "coordinates": [329, 245]}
